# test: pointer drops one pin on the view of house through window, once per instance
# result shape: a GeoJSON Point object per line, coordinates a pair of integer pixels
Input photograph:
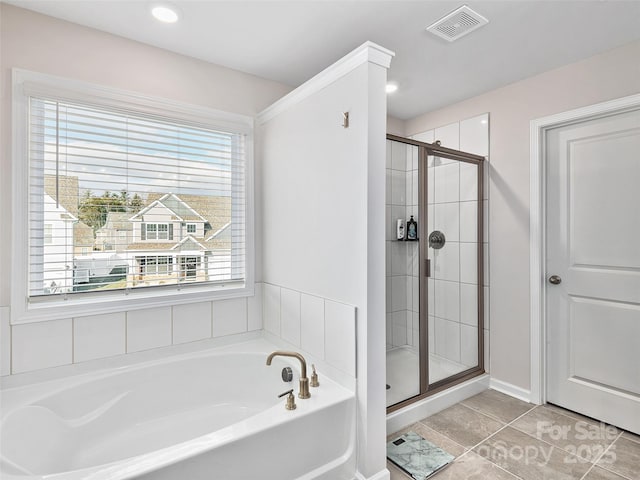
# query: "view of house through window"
{"type": "Point", "coordinates": [121, 201]}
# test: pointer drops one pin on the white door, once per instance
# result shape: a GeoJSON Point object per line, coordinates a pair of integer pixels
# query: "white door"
{"type": "Point", "coordinates": [593, 268]}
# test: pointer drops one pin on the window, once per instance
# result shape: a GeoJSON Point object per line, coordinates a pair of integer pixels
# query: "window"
{"type": "Point", "coordinates": [163, 231]}
{"type": "Point", "coordinates": [101, 166]}
{"type": "Point", "coordinates": [189, 267]}
{"type": "Point", "coordinates": [155, 265]}
{"type": "Point", "coordinates": [159, 231]}
{"type": "Point", "coordinates": [105, 165]}
{"type": "Point", "coordinates": [152, 231]}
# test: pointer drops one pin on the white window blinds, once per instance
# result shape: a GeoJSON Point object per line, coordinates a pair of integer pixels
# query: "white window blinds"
{"type": "Point", "coordinates": [121, 200]}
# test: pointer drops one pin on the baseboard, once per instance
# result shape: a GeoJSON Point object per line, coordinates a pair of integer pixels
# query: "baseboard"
{"type": "Point", "coordinates": [381, 475]}
{"type": "Point", "coordinates": [511, 390]}
{"type": "Point", "coordinates": [423, 408]}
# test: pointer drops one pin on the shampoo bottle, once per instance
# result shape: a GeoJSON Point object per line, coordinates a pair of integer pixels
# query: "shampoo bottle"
{"type": "Point", "coordinates": [412, 229]}
{"type": "Point", "coordinates": [400, 229]}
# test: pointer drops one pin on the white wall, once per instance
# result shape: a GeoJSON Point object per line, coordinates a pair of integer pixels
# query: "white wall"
{"type": "Point", "coordinates": [43, 44]}
{"type": "Point", "coordinates": [603, 77]}
{"type": "Point", "coordinates": [322, 208]}
{"type": "Point", "coordinates": [314, 193]}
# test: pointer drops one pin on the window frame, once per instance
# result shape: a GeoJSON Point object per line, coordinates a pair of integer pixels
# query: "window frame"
{"type": "Point", "coordinates": [157, 231]}
{"type": "Point", "coordinates": [162, 230]}
{"type": "Point", "coordinates": [154, 261]}
{"type": "Point", "coordinates": [26, 310]}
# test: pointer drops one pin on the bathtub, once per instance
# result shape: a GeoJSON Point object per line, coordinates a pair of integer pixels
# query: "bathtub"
{"type": "Point", "coordinates": [212, 414]}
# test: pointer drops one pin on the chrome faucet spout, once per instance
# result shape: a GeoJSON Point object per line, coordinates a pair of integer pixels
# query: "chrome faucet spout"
{"type": "Point", "coordinates": [304, 381]}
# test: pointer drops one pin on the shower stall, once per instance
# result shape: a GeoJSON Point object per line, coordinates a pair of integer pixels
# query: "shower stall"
{"type": "Point", "coordinates": [434, 269]}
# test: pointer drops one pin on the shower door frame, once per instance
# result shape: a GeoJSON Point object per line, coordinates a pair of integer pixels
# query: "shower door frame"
{"type": "Point", "coordinates": [424, 150]}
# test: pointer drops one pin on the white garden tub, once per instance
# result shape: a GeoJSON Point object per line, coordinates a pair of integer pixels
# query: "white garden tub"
{"type": "Point", "coordinates": [212, 414]}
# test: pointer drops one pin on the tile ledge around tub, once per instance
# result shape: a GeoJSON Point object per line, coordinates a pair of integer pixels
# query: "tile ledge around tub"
{"type": "Point", "coordinates": [324, 369]}
{"type": "Point", "coordinates": [123, 360]}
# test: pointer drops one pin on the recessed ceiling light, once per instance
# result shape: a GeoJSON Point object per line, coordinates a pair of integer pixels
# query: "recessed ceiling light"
{"type": "Point", "coordinates": [164, 14]}
{"type": "Point", "coordinates": [391, 87]}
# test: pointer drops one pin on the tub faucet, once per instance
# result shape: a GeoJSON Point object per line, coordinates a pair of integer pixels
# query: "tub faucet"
{"type": "Point", "coordinates": [304, 381]}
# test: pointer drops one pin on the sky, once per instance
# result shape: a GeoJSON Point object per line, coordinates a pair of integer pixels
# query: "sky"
{"type": "Point", "coordinates": [118, 151]}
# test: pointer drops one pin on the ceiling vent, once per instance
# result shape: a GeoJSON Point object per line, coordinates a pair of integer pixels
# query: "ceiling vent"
{"type": "Point", "coordinates": [457, 24]}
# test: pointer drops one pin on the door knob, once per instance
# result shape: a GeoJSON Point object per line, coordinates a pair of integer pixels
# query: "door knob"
{"type": "Point", "coordinates": [555, 280]}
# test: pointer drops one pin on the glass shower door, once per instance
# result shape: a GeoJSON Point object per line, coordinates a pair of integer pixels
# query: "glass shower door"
{"type": "Point", "coordinates": [434, 278]}
{"type": "Point", "coordinates": [454, 251]}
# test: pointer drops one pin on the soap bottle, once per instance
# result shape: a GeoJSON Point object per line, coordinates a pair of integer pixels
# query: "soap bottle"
{"type": "Point", "coordinates": [412, 229]}
{"type": "Point", "coordinates": [400, 229]}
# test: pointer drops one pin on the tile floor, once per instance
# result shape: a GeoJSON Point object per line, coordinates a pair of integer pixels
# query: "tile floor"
{"type": "Point", "coordinates": [497, 437]}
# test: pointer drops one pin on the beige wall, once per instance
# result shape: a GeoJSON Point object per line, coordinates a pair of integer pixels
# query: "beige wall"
{"type": "Point", "coordinates": [395, 126]}
{"type": "Point", "coordinates": [603, 77]}
{"type": "Point", "coordinates": [44, 44]}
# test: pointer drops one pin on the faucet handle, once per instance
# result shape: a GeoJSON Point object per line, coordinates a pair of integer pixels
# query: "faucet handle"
{"type": "Point", "coordinates": [291, 400]}
{"type": "Point", "coordinates": [288, 392]}
{"type": "Point", "coordinates": [314, 377]}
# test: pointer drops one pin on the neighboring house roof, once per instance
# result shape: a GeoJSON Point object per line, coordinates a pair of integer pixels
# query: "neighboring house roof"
{"type": "Point", "coordinates": [189, 243]}
{"type": "Point", "coordinates": [150, 246]}
{"type": "Point", "coordinates": [67, 190]}
{"type": "Point", "coordinates": [221, 232]}
{"type": "Point", "coordinates": [67, 216]}
{"type": "Point", "coordinates": [212, 209]}
{"type": "Point", "coordinates": [118, 221]}
{"type": "Point", "coordinates": [218, 244]}
{"type": "Point", "coordinates": [221, 239]}
{"type": "Point", "coordinates": [82, 234]}
{"type": "Point", "coordinates": [178, 207]}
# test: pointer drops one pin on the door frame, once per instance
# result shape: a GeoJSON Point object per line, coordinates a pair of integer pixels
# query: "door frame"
{"type": "Point", "coordinates": [537, 226]}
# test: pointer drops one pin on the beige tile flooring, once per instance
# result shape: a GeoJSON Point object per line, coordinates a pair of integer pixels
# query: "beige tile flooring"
{"type": "Point", "coordinates": [497, 437]}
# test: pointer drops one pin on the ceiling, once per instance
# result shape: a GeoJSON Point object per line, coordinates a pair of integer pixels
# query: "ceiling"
{"type": "Point", "coordinates": [291, 41]}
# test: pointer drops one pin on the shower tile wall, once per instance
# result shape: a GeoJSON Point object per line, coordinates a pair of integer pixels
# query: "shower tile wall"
{"type": "Point", "coordinates": [452, 208]}
{"type": "Point", "coordinates": [402, 257]}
